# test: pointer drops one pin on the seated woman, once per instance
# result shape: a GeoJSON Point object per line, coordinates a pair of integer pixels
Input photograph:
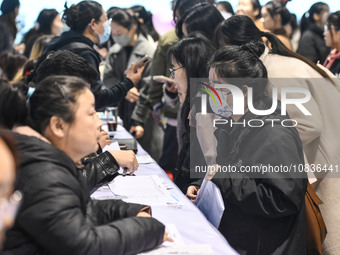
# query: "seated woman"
{"type": "Point", "coordinates": [264, 212]}
{"type": "Point", "coordinates": [93, 172]}
{"type": "Point", "coordinates": [57, 215]}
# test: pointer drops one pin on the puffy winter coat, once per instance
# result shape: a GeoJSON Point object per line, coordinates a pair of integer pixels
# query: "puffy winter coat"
{"type": "Point", "coordinates": [58, 217]}
{"type": "Point", "coordinates": [264, 212]}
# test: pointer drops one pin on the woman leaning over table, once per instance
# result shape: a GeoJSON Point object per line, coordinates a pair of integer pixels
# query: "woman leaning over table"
{"type": "Point", "coordinates": [264, 212]}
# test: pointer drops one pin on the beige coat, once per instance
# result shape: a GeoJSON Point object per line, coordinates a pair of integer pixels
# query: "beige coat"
{"type": "Point", "coordinates": [318, 132]}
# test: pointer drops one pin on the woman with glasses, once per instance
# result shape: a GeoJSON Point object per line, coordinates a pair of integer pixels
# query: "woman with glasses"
{"type": "Point", "coordinates": [189, 58]}
{"type": "Point", "coordinates": [89, 27]}
{"type": "Point", "coordinates": [57, 215]}
{"type": "Point", "coordinates": [332, 38]}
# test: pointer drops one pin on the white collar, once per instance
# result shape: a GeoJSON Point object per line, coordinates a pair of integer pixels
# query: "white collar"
{"type": "Point", "coordinates": [265, 53]}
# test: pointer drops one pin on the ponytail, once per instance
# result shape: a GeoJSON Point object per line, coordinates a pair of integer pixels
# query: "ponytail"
{"type": "Point", "coordinates": [277, 47]}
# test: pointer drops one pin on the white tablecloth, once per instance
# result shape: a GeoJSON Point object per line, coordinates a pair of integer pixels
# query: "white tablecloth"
{"type": "Point", "coordinates": [190, 222]}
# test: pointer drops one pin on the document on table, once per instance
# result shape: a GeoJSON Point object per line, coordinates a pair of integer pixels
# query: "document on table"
{"type": "Point", "coordinates": [112, 147]}
{"type": "Point", "coordinates": [178, 246]}
{"type": "Point", "coordinates": [210, 202]}
{"type": "Point", "coordinates": [149, 190]}
{"type": "Point", "coordinates": [144, 159]}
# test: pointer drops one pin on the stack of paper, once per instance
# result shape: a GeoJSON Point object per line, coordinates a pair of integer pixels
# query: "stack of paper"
{"type": "Point", "coordinates": [149, 190]}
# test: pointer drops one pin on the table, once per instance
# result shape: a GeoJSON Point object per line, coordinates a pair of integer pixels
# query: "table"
{"type": "Point", "coordinates": [189, 221]}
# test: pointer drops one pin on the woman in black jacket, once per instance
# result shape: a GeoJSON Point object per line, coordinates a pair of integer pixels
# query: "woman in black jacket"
{"type": "Point", "coordinates": [312, 44]}
{"type": "Point", "coordinates": [89, 26]}
{"type": "Point", "coordinates": [10, 10]}
{"type": "Point", "coordinates": [57, 215]}
{"type": "Point", "coordinates": [264, 211]}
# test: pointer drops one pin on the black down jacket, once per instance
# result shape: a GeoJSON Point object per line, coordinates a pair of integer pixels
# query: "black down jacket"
{"type": "Point", "coordinates": [98, 171]}
{"type": "Point", "coordinates": [58, 217]}
{"type": "Point", "coordinates": [265, 212]}
{"type": "Point", "coordinates": [82, 46]}
{"type": "Point", "coordinates": [312, 45]}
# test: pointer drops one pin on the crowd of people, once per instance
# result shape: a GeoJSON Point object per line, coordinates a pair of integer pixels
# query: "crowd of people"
{"type": "Point", "coordinates": [73, 64]}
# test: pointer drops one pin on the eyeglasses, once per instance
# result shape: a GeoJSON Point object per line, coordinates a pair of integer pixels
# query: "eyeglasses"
{"type": "Point", "coordinates": [172, 71]}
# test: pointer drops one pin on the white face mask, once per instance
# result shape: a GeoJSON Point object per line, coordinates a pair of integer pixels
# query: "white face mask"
{"type": "Point", "coordinates": [122, 40]}
{"type": "Point", "coordinates": [223, 110]}
{"type": "Point", "coordinates": [107, 32]}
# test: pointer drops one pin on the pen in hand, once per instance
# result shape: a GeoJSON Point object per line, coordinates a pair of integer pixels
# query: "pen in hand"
{"type": "Point", "coordinates": [125, 171]}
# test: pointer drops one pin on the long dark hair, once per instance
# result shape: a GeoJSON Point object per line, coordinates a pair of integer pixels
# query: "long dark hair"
{"type": "Point", "coordinates": [8, 20]}
{"type": "Point", "coordinates": [183, 7]}
{"type": "Point", "coordinates": [5, 42]}
{"type": "Point", "coordinates": [193, 53]}
{"type": "Point", "coordinates": [239, 30]}
{"type": "Point", "coordinates": [78, 16]}
{"type": "Point", "coordinates": [147, 25]}
{"type": "Point", "coordinates": [45, 20]}
{"type": "Point", "coordinates": [43, 26]}
{"type": "Point", "coordinates": [55, 96]}
{"type": "Point", "coordinates": [203, 19]}
{"type": "Point", "coordinates": [10, 63]}
{"type": "Point", "coordinates": [308, 19]}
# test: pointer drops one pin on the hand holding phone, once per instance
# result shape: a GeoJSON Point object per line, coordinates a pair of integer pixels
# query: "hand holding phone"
{"type": "Point", "coordinates": [146, 59]}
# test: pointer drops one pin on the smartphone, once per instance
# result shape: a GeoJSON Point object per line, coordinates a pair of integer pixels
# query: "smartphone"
{"type": "Point", "coordinates": [146, 59]}
{"type": "Point", "coordinates": [163, 79]}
